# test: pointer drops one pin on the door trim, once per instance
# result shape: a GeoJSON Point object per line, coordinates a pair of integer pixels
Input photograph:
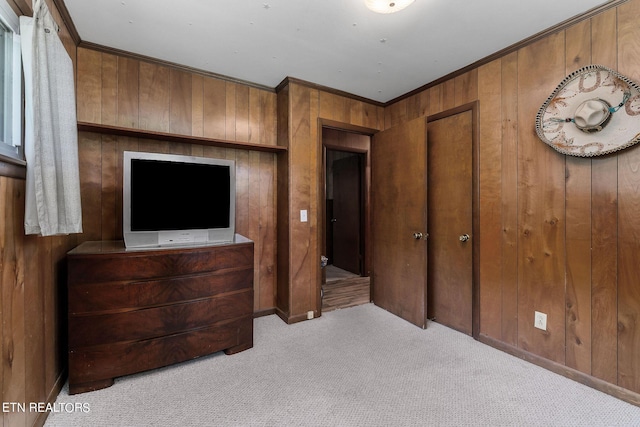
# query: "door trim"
{"type": "Point", "coordinates": [474, 107]}
{"type": "Point", "coordinates": [322, 221]}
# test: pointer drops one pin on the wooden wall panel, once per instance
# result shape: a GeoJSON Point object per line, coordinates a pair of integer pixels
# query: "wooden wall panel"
{"type": "Point", "coordinates": [604, 230]}
{"type": "Point", "coordinates": [181, 103]}
{"type": "Point", "coordinates": [302, 272]}
{"type": "Point", "coordinates": [466, 87]}
{"type": "Point", "coordinates": [628, 255]}
{"type": "Point", "coordinates": [541, 206]}
{"type": "Point", "coordinates": [154, 97]}
{"type": "Point", "coordinates": [436, 103]}
{"type": "Point", "coordinates": [128, 99]}
{"type": "Point", "coordinates": [490, 83]}
{"type": "Point", "coordinates": [510, 132]}
{"type": "Point", "coordinates": [36, 371]}
{"type": "Point", "coordinates": [89, 86]}
{"type": "Point", "coordinates": [283, 291]}
{"type": "Point", "coordinates": [578, 227]}
{"type": "Point", "coordinates": [197, 105]}
{"type": "Point", "coordinates": [109, 90]}
{"type": "Point", "coordinates": [14, 356]}
{"type": "Point", "coordinates": [628, 219]}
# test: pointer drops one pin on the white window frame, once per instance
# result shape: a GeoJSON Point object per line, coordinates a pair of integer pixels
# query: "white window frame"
{"type": "Point", "coordinates": [11, 141]}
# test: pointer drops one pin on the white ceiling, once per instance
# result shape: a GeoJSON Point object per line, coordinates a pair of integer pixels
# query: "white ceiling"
{"type": "Point", "coordinates": [334, 43]}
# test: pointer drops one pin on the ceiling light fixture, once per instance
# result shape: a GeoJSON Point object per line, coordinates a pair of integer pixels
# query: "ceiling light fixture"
{"type": "Point", "coordinates": [387, 6]}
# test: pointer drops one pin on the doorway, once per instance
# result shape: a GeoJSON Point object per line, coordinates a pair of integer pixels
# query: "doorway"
{"type": "Point", "coordinates": [345, 225]}
{"type": "Point", "coordinates": [344, 208]}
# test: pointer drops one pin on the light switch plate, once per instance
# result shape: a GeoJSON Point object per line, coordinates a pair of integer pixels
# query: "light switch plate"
{"type": "Point", "coordinates": [303, 215]}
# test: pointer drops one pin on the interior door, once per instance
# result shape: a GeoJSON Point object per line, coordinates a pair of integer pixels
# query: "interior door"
{"type": "Point", "coordinates": [450, 223]}
{"type": "Point", "coordinates": [399, 220]}
{"type": "Point", "coordinates": [346, 214]}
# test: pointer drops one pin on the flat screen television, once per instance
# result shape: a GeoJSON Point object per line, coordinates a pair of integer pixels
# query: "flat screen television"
{"type": "Point", "coordinates": [175, 200]}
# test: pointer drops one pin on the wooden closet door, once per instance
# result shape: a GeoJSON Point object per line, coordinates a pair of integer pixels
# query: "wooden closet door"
{"type": "Point", "coordinates": [450, 226]}
{"type": "Point", "coordinates": [399, 217]}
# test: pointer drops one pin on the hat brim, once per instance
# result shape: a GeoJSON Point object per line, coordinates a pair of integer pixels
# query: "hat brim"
{"type": "Point", "coordinates": [553, 121]}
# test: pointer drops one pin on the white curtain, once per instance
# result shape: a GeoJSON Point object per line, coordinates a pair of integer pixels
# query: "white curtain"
{"type": "Point", "coordinates": [51, 136]}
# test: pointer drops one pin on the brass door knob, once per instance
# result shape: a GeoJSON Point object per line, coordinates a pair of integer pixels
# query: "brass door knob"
{"type": "Point", "coordinates": [464, 237]}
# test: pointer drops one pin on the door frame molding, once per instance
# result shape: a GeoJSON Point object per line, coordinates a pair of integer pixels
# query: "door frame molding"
{"type": "Point", "coordinates": [322, 220]}
{"type": "Point", "coordinates": [474, 107]}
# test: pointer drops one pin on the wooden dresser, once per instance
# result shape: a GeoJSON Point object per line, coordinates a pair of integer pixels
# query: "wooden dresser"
{"type": "Point", "coordinates": [134, 310]}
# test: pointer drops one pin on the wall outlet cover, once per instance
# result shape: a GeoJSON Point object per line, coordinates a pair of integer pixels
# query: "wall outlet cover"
{"type": "Point", "coordinates": [540, 320]}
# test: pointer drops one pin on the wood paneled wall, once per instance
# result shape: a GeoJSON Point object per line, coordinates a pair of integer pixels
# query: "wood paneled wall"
{"type": "Point", "coordinates": [131, 93]}
{"type": "Point", "coordinates": [299, 131]}
{"type": "Point", "coordinates": [558, 234]}
{"type": "Point", "coordinates": [32, 295]}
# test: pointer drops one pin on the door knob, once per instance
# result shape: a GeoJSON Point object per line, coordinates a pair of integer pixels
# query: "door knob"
{"type": "Point", "coordinates": [333, 220]}
{"type": "Point", "coordinates": [464, 237]}
{"type": "Point", "coordinates": [419, 236]}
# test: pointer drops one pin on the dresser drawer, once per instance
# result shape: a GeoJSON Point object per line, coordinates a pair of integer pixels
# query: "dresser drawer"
{"type": "Point", "coordinates": [94, 364]}
{"type": "Point", "coordinates": [149, 264]}
{"type": "Point", "coordinates": [153, 322]}
{"type": "Point", "coordinates": [105, 296]}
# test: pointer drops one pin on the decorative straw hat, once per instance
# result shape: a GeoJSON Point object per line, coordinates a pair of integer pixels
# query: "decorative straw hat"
{"type": "Point", "coordinates": [594, 111]}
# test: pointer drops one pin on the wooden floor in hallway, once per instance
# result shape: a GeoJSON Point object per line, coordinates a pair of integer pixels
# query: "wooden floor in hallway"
{"type": "Point", "coordinates": [345, 293]}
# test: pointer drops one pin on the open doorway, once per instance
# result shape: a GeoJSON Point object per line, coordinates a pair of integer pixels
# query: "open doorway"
{"type": "Point", "coordinates": [345, 278]}
{"type": "Point", "coordinates": [344, 213]}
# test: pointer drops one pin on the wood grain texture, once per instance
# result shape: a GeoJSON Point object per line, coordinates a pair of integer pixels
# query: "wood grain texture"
{"type": "Point", "coordinates": [89, 86]}
{"type": "Point", "coordinates": [604, 279]}
{"type": "Point", "coordinates": [283, 293]}
{"type": "Point", "coordinates": [300, 169]}
{"type": "Point", "coordinates": [604, 233]}
{"type": "Point", "coordinates": [578, 229]}
{"type": "Point", "coordinates": [345, 293]}
{"type": "Point", "coordinates": [154, 307]}
{"type": "Point", "coordinates": [128, 92]}
{"type": "Point", "coordinates": [154, 97]}
{"type": "Point", "coordinates": [12, 297]}
{"type": "Point", "coordinates": [181, 103]}
{"type": "Point", "coordinates": [109, 90]}
{"type": "Point", "coordinates": [509, 189]}
{"type": "Point", "coordinates": [398, 210]}
{"type": "Point", "coordinates": [449, 216]}
{"type": "Point", "coordinates": [541, 207]}
{"type": "Point", "coordinates": [628, 255]}
{"type": "Point", "coordinates": [490, 96]}
{"type": "Point", "coordinates": [466, 87]}
{"type": "Point", "coordinates": [628, 220]}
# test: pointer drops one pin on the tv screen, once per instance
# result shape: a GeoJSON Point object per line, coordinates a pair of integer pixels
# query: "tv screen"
{"type": "Point", "coordinates": [177, 200]}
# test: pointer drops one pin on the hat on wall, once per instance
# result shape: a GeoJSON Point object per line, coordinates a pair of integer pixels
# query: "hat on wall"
{"type": "Point", "coordinates": [593, 111]}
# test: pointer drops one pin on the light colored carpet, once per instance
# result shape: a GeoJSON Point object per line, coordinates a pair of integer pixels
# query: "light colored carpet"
{"type": "Point", "coordinates": [359, 366]}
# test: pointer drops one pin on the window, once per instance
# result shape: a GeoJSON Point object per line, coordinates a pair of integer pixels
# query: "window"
{"type": "Point", "coordinates": [10, 83]}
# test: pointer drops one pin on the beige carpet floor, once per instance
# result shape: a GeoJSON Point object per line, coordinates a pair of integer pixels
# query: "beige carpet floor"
{"type": "Point", "coordinates": [359, 366]}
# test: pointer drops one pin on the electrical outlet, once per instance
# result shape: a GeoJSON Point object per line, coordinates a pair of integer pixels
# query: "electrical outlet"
{"type": "Point", "coordinates": [303, 215]}
{"type": "Point", "coordinates": [309, 315]}
{"type": "Point", "coordinates": [540, 321]}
